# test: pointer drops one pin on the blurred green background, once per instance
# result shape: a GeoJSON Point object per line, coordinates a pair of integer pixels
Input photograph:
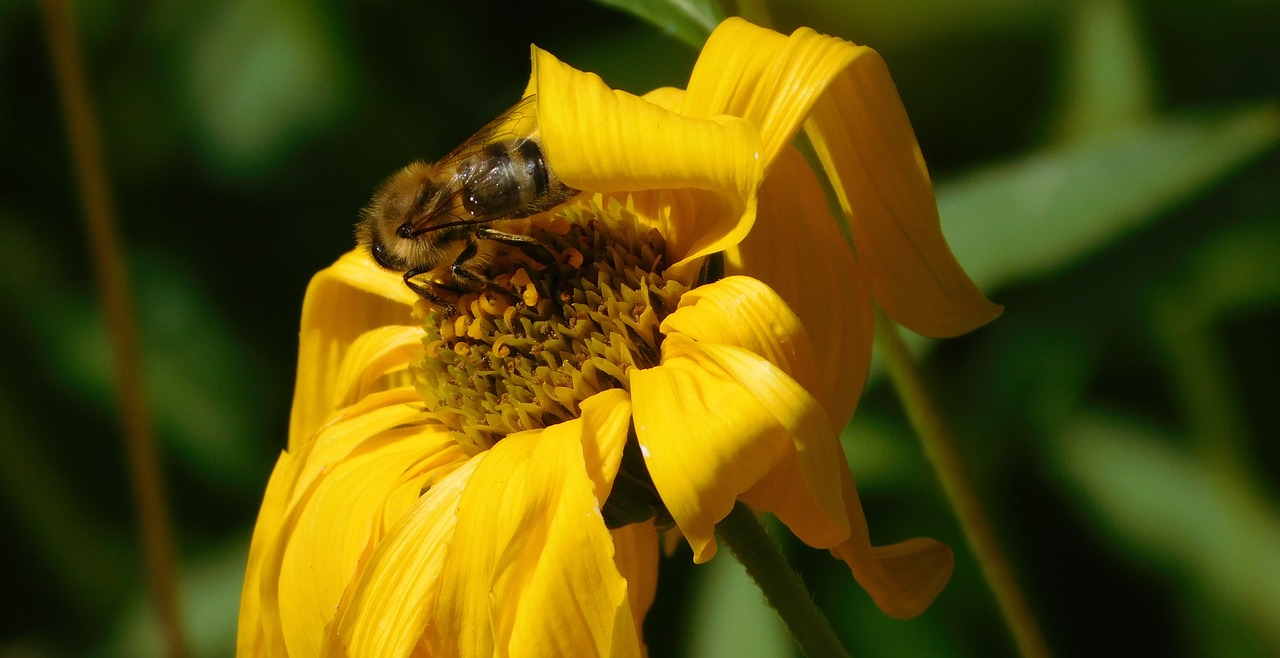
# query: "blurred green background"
{"type": "Point", "coordinates": [1106, 170]}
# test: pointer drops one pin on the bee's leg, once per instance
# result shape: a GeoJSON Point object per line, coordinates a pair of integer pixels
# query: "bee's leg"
{"type": "Point", "coordinates": [466, 278]}
{"type": "Point", "coordinates": [532, 248]}
{"type": "Point", "coordinates": [528, 245]}
{"type": "Point", "coordinates": [428, 292]}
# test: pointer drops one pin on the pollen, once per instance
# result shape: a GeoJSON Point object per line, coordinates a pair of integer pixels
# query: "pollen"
{"type": "Point", "coordinates": [541, 338]}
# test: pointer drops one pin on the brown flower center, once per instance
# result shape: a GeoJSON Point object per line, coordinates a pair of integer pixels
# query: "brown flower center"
{"type": "Point", "coordinates": [542, 337]}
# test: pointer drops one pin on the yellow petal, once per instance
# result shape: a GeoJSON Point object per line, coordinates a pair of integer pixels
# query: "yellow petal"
{"type": "Point", "coordinates": [865, 141]}
{"type": "Point", "coordinates": [862, 135]}
{"type": "Point", "coordinates": [744, 312]}
{"type": "Point", "coordinates": [904, 578]}
{"type": "Point", "coordinates": [666, 97]}
{"type": "Point", "coordinates": [606, 418]}
{"type": "Point", "coordinates": [386, 612]}
{"type": "Point", "coordinates": [530, 570]}
{"type": "Point", "coordinates": [377, 360]}
{"type": "Point", "coordinates": [601, 140]}
{"type": "Point", "coordinates": [342, 302]}
{"type": "Point", "coordinates": [636, 554]}
{"type": "Point", "coordinates": [809, 500]}
{"type": "Point", "coordinates": [258, 631]}
{"type": "Point", "coordinates": [297, 476]}
{"type": "Point", "coordinates": [714, 421]}
{"type": "Point", "coordinates": [340, 520]}
{"type": "Point", "coordinates": [797, 249]}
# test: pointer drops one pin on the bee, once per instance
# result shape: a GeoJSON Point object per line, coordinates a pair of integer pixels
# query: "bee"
{"type": "Point", "coordinates": [449, 219]}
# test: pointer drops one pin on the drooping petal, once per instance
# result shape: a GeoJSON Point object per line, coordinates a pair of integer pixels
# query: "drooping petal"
{"type": "Point", "coordinates": [601, 140]}
{"type": "Point", "coordinates": [861, 133]}
{"type": "Point", "coordinates": [530, 570]}
{"type": "Point", "coordinates": [904, 578]}
{"type": "Point", "coordinates": [797, 249]}
{"type": "Point", "coordinates": [714, 421]}
{"type": "Point", "coordinates": [342, 302]}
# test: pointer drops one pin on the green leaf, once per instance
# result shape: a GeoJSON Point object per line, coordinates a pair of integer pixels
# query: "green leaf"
{"type": "Point", "coordinates": [1035, 215]}
{"type": "Point", "coordinates": [1236, 270]}
{"type": "Point", "coordinates": [691, 21]}
{"type": "Point", "coordinates": [1170, 512]}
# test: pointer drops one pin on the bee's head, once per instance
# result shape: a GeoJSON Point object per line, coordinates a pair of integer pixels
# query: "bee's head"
{"type": "Point", "coordinates": [386, 225]}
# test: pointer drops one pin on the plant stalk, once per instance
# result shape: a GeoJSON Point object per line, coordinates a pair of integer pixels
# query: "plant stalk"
{"type": "Point", "coordinates": [118, 306]}
{"type": "Point", "coordinates": [782, 587]}
{"type": "Point", "coordinates": [941, 451]}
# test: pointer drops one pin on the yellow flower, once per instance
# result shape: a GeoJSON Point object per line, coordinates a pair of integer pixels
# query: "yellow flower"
{"type": "Point", "coordinates": [483, 484]}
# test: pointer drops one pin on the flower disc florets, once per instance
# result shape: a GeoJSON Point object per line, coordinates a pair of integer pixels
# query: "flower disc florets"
{"type": "Point", "coordinates": [542, 337]}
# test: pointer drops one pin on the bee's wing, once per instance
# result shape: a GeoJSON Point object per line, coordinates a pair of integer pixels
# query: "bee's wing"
{"type": "Point", "coordinates": [517, 122]}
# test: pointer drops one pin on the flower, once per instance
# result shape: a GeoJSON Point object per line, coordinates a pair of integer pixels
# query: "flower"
{"type": "Point", "coordinates": [489, 483]}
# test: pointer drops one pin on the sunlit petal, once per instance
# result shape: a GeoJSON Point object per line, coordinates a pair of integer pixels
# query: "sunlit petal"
{"type": "Point", "coordinates": [744, 312]}
{"type": "Point", "coordinates": [531, 536]}
{"type": "Point", "coordinates": [714, 421]}
{"type": "Point", "coordinates": [606, 418]}
{"type": "Point", "coordinates": [340, 519]}
{"type": "Point", "coordinates": [377, 360]}
{"type": "Point", "coordinates": [638, 146]}
{"type": "Point", "coordinates": [636, 553]}
{"type": "Point", "coordinates": [797, 249]}
{"type": "Point", "coordinates": [386, 612]}
{"type": "Point", "coordinates": [861, 133]}
{"type": "Point", "coordinates": [342, 302]}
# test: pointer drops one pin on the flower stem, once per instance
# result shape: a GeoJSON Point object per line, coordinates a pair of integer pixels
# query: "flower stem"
{"type": "Point", "coordinates": [782, 587]}
{"type": "Point", "coordinates": [86, 151]}
{"type": "Point", "coordinates": [941, 452]}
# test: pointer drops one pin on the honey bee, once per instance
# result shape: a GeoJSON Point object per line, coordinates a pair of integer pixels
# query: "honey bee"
{"type": "Point", "coordinates": [449, 219]}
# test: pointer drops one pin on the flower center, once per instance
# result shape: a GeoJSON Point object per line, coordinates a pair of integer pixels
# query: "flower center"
{"type": "Point", "coordinates": [524, 352]}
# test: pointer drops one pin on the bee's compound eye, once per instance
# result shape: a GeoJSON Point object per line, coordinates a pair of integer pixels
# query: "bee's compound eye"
{"type": "Point", "coordinates": [382, 256]}
{"type": "Point", "coordinates": [405, 231]}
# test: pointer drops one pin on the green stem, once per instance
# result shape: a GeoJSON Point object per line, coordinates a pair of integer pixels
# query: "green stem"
{"type": "Point", "coordinates": [942, 454]}
{"type": "Point", "coordinates": [782, 587]}
{"type": "Point", "coordinates": [86, 151]}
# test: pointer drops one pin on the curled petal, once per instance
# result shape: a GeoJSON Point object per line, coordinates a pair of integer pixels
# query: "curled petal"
{"type": "Point", "coordinates": [714, 421]}
{"type": "Point", "coordinates": [904, 578]}
{"type": "Point", "coordinates": [862, 136]}
{"type": "Point", "coordinates": [744, 312]}
{"type": "Point", "coordinates": [343, 301]}
{"type": "Point", "coordinates": [328, 503]}
{"type": "Point", "coordinates": [709, 165]}
{"type": "Point", "coordinates": [341, 517]}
